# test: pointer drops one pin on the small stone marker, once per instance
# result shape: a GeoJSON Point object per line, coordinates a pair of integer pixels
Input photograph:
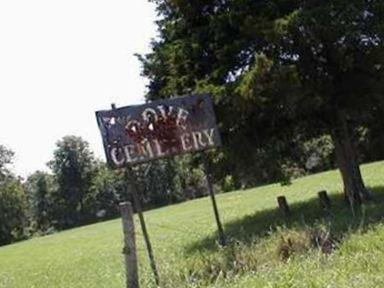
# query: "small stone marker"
{"type": "Point", "coordinates": [129, 249]}
{"type": "Point", "coordinates": [283, 206]}
{"type": "Point", "coordinates": [325, 202]}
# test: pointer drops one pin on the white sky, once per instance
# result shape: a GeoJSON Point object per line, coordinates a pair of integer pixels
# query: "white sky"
{"type": "Point", "coordinates": [60, 61]}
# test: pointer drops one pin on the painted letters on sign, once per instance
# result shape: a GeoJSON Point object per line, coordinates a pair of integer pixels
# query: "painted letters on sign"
{"type": "Point", "coordinates": [137, 134]}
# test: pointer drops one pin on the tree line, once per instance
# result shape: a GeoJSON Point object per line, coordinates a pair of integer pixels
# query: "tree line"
{"type": "Point", "coordinates": [80, 189]}
{"type": "Point", "coordinates": [297, 86]}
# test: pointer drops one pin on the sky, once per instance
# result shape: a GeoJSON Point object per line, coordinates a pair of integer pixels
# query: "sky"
{"type": "Point", "coordinates": [62, 60]}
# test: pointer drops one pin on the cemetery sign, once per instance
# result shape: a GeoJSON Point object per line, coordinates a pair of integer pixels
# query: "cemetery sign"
{"type": "Point", "coordinates": [141, 133]}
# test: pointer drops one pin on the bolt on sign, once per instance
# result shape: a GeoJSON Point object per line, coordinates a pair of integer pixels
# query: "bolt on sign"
{"type": "Point", "coordinates": [141, 133]}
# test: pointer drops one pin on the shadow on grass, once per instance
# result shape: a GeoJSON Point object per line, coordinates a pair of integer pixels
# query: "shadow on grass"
{"type": "Point", "coordinates": [306, 214]}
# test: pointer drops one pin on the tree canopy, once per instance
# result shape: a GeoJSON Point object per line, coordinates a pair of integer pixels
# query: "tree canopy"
{"type": "Point", "coordinates": [73, 166]}
{"type": "Point", "coordinates": [281, 72]}
{"type": "Point", "coordinates": [6, 157]}
{"type": "Point", "coordinates": [13, 201]}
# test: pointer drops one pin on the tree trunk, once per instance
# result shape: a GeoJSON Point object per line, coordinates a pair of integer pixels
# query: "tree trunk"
{"type": "Point", "coordinates": [354, 188]}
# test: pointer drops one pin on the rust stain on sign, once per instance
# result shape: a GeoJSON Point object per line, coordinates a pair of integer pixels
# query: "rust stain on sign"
{"type": "Point", "coordinates": [141, 133]}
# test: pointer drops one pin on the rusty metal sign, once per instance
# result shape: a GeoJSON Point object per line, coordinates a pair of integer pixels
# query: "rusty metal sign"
{"type": "Point", "coordinates": [141, 133]}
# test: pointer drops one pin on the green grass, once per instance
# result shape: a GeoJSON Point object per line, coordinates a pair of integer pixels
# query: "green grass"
{"type": "Point", "coordinates": [184, 242]}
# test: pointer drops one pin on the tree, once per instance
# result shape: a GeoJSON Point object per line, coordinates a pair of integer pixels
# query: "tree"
{"type": "Point", "coordinates": [108, 190]}
{"type": "Point", "coordinates": [156, 183]}
{"type": "Point", "coordinates": [73, 167]}
{"type": "Point", "coordinates": [6, 156]}
{"type": "Point", "coordinates": [276, 69]}
{"type": "Point", "coordinates": [40, 187]}
{"type": "Point", "coordinates": [13, 208]}
{"type": "Point", "coordinates": [13, 204]}
{"type": "Point", "coordinates": [159, 183]}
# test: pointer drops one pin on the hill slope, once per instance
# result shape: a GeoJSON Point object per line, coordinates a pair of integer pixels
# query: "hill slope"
{"type": "Point", "coordinates": [266, 250]}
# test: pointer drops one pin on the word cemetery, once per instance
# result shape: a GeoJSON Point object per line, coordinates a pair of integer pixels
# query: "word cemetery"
{"type": "Point", "coordinates": [137, 134]}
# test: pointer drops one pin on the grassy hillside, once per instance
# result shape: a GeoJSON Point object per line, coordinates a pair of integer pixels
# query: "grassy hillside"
{"type": "Point", "coordinates": [265, 249]}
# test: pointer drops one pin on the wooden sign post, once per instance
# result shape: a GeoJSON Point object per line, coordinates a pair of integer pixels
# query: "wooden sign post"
{"type": "Point", "coordinates": [139, 211]}
{"type": "Point", "coordinates": [129, 249]}
{"type": "Point", "coordinates": [142, 133]}
{"type": "Point", "coordinates": [208, 175]}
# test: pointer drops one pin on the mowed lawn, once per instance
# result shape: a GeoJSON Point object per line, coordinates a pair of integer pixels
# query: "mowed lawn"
{"type": "Point", "coordinates": [183, 239]}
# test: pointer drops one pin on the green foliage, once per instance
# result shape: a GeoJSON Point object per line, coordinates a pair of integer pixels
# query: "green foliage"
{"type": "Point", "coordinates": [73, 166]}
{"type": "Point", "coordinates": [81, 190]}
{"type": "Point", "coordinates": [228, 183]}
{"type": "Point", "coordinates": [13, 212]}
{"type": "Point", "coordinates": [168, 181]}
{"type": "Point", "coordinates": [275, 69]}
{"type": "Point", "coordinates": [40, 187]}
{"type": "Point", "coordinates": [183, 238]}
{"type": "Point", "coordinates": [13, 202]}
{"type": "Point", "coordinates": [318, 153]}
{"type": "Point", "coordinates": [371, 137]}
{"type": "Point", "coordinates": [158, 183]}
{"type": "Point", "coordinates": [6, 156]}
{"type": "Point", "coordinates": [108, 190]}
{"type": "Point", "coordinates": [192, 175]}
